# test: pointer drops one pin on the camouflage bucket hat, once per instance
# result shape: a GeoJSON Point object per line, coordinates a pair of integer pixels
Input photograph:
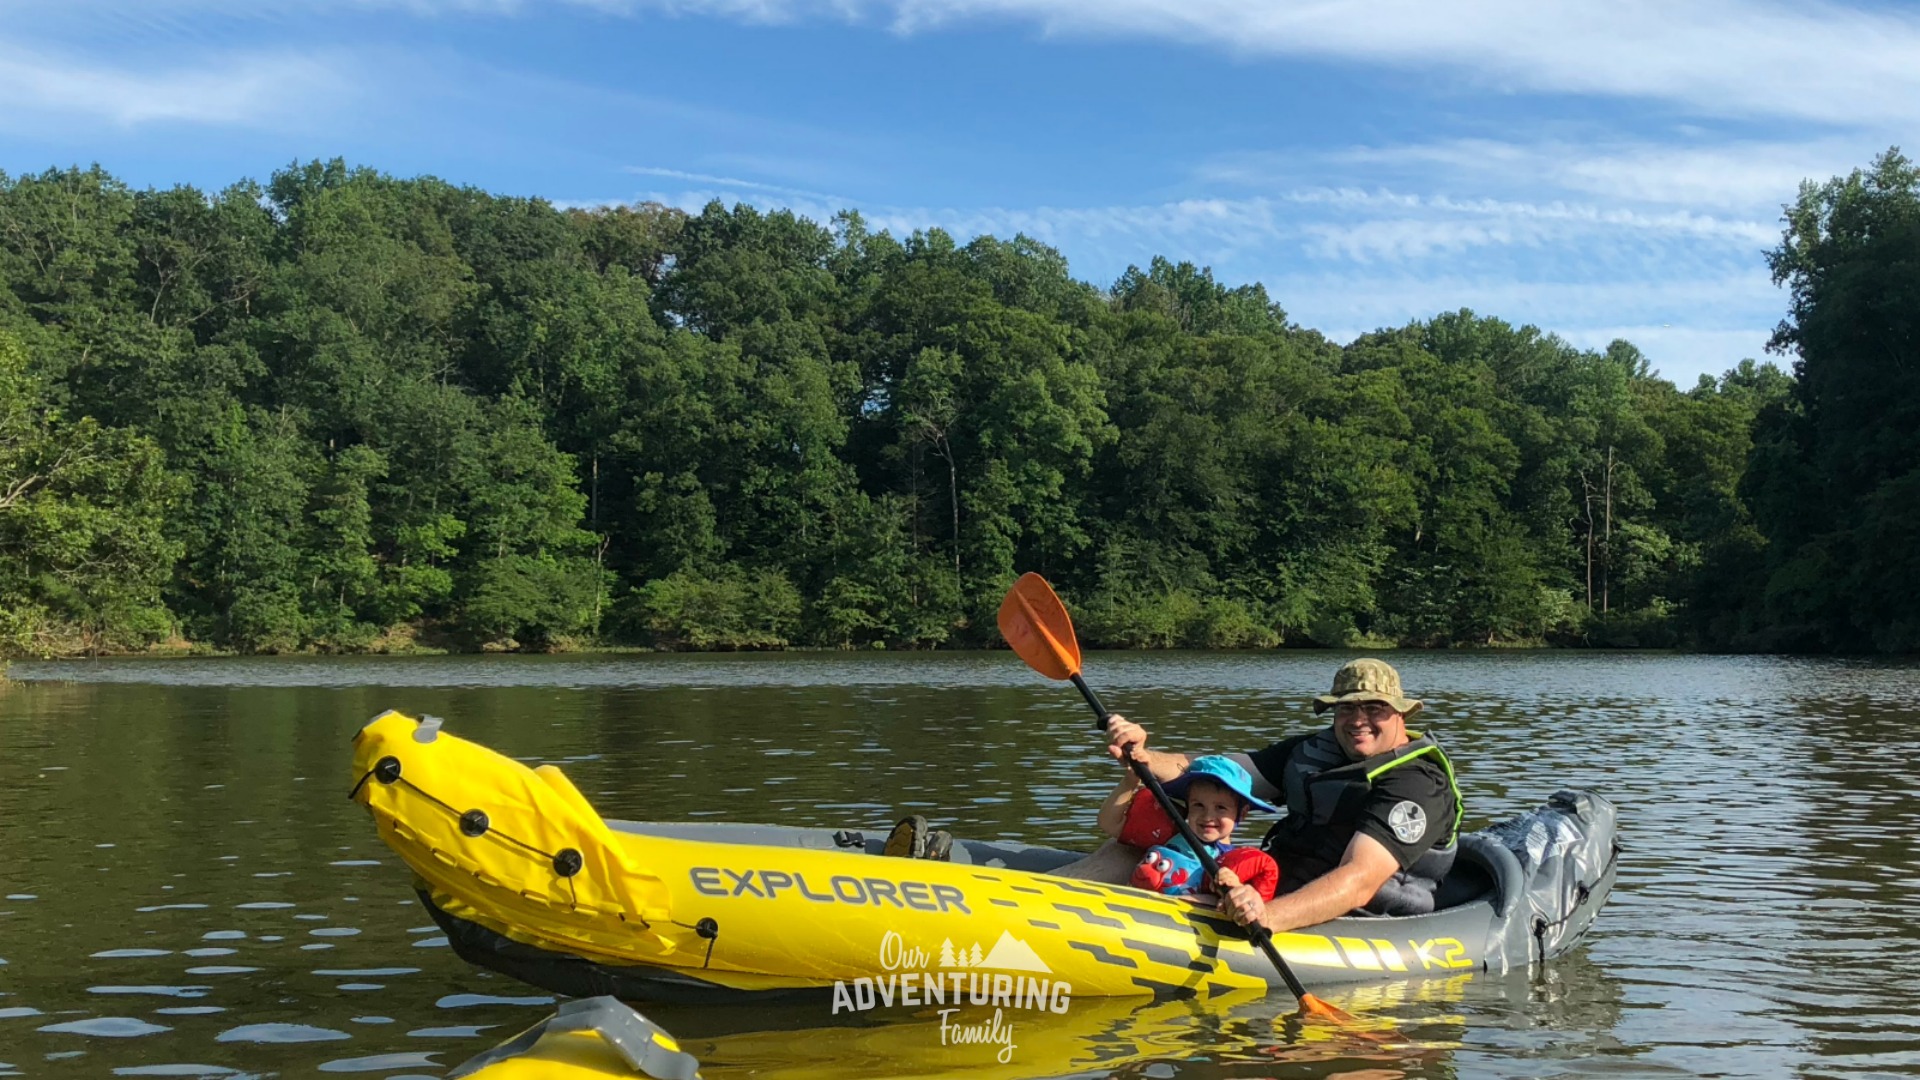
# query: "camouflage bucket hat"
{"type": "Point", "coordinates": [1367, 680]}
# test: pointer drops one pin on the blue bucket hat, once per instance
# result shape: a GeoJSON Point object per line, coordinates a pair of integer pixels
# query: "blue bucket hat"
{"type": "Point", "coordinates": [1224, 770]}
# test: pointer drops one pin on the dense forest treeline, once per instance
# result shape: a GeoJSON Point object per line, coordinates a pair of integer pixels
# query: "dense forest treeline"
{"type": "Point", "coordinates": [347, 411]}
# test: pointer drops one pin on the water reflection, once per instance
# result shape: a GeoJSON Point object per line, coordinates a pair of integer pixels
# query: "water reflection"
{"type": "Point", "coordinates": [185, 885]}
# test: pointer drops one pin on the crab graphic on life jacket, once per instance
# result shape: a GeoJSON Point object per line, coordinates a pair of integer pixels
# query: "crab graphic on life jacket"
{"type": "Point", "coordinates": [1170, 870]}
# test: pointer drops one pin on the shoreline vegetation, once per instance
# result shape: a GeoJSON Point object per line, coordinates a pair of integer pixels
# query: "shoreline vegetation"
{"type": "Point", "coordinates": [346, 412]}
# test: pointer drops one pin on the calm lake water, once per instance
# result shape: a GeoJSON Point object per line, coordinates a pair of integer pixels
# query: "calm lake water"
{"type": "Point", "coordinates": [187, 892]}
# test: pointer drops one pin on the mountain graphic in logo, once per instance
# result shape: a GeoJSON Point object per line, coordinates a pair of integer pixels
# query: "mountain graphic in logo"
{"type": "Point", "coordinates": [1012, 954]}
{"type": "Point", "coordinates": [1008, 954]}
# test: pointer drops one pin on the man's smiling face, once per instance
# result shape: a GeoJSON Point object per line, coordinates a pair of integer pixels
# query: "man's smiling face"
{"type": "Point", "coordinates": [1366, 728]}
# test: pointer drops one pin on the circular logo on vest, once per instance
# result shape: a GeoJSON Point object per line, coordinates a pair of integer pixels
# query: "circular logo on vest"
{"type": "Point", "coordinates": [1408, 820]}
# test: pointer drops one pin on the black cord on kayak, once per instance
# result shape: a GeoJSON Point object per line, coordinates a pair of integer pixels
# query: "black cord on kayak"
{"type": "Point", "coordinates": [706, 928]}
{"type": "Point", "coordinates": [566, 863]}
{"type": "Point", "coordinates": [709, 929]}
{"type": "Point", "coordinates": [368, 775]}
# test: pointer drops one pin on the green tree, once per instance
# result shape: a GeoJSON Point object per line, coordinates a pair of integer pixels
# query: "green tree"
{"type": "Point", "coordinates": [82, 548]}
{"type": "Point", "coordinates": [1835, 473]}
{"type": "Point", "coordinates": [530, 572]}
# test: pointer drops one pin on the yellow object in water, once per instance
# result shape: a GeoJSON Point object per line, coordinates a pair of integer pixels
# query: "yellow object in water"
{"type": "Point", "coordinates": [528, 879]}
{"type": "Point", "coordinates": [591, 1038]}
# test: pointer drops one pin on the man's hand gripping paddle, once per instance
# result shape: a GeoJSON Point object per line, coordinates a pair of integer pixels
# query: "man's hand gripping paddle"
{"type": "Point", "coordinates": [1036, 624]}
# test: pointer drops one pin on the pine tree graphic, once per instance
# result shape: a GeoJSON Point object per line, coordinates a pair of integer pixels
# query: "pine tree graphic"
{"type": "Point", "coordinates": [978, 957]}
{"type": "Point", "coordinates": [946, 952]}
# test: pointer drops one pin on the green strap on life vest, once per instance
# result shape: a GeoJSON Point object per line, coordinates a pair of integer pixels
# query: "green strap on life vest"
{"type": "Point", "coordinates": [1446, 766]}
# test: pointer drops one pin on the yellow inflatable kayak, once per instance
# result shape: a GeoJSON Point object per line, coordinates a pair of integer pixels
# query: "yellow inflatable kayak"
{"type": "Point", "coordinates": [527, 879]}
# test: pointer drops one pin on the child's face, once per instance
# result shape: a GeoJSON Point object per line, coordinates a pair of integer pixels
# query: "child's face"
{"type": "Point", "coordinates": [1212, 810]}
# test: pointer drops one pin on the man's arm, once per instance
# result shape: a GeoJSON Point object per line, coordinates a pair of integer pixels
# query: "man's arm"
{"type": "Point", "coordinates": [1122, 733]}
{"type": "Point", "coordinates": [1366, 865]}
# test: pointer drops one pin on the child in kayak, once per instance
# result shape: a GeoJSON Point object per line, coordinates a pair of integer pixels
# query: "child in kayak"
{"type": "Point", "coordinates": [1218, 794]}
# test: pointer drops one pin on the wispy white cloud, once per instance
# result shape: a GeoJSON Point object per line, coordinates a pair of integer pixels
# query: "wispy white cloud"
{"type": "Point", "coordinates": [1449, 223]}
{"type": "Point", "coordinates": [1722, 175]}
{"type": "Point", "coordinates": [249, 88]}
{"type": "Point", "coordinates": [1338, 225]}
{"type": "Point", "coordinates": [735, 184]}
{"type": "Point", "coordinates": [1821, 61]}
{"type": "Point", "coordinates": [1366, 298]}
{"type": "Point", "coordinates": [1818, 61]}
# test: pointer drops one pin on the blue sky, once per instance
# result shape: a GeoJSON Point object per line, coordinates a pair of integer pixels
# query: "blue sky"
{"type": "Point", "coordinates": [1600, 170]}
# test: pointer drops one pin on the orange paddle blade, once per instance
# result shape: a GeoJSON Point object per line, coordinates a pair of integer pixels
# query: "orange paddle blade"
{"type": "Point", "coordinates": [1036, 624]}
{"type": "Point", "coordinates": [1313, 1008]}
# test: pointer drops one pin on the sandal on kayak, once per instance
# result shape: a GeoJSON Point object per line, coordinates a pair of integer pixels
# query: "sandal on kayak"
{"type": "Point", "coordinates": [913, 839]}
{"type": "Point", "coordinates": [939, 845]}
{"type": "Point", "coordinates": [908, 840]}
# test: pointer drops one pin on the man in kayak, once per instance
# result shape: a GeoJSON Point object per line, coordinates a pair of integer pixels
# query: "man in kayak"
{"type": "Point", "coordinates": [1373, 812]}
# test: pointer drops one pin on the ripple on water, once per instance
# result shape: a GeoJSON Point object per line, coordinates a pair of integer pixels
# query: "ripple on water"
{"type": "Point", "coordinates": [108, 1027]}
{"type": "Point", "coordinates": [17, 1012]}
{"type": "Point", "coordinates": [463, 1031]}
{"type": "Point", "coordinates": [172, 907]}
{"type": "Point", "coordinates": [211, 950]}
{"type": "Point", "coordinates": [263, 905]}
{"type": "Point", "coordinates": [222, 969]}
{"type": "Point", "coordinates": [461, 1001]}
{"type": "Point", "coordinates": [366, 973]}
{"type": "Point", "coordinates": [129, 954]}
{"type": "Point", "coordinates": [280, 1033]}
{"type": "Point", "coordinates": [382, 1063]}
{"type": "Point", "coordinates": [334, 931]}
{"type": "Point", "coordinates": [182, 1069]}
{"type": "Point", "coordinates": [154, 991]}
{"type": "Point", "coordinates": [224, 935]}
{"type": "Point", "coordinates": [191, 1010]}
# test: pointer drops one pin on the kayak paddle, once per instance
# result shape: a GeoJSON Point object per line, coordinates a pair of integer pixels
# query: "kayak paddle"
{"type": "Point", "coordinates": [1036, 624]}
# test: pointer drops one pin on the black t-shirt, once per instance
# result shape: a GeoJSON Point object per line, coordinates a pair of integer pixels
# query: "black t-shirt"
{"type": "Point", "coordinates": [1409, 809]}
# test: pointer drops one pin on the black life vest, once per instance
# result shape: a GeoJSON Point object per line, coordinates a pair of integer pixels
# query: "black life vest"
{"type": "Point", "coordinates": [1325, 792]}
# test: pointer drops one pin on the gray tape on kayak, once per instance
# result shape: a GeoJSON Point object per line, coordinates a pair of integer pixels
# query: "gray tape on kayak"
{"type": "Point", "coordinates": [628, 1032]}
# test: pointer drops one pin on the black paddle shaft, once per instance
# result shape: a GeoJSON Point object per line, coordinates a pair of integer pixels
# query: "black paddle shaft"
{"type": "Point", "coordinates": [1259, 935]}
